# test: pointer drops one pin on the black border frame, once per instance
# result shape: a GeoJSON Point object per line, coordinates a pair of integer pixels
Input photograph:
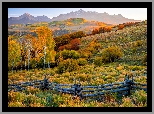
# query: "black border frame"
{"type": "Point", "coordinates": [6, 5]}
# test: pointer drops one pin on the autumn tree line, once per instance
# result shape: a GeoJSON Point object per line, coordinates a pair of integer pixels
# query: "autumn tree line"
{"type": "Point", "coordinates": [52, 50]}
{"type": "Point", "coordinates": [109, 29]}
{"type": "Point", "coordinates": [20, 49]}
{"type": "Point", "coordinates": [44, 46]}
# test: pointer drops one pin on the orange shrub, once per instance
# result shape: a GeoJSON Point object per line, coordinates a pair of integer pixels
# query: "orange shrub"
{"type": "Point", "coordinates": [95, 31]}
{"type": "Point", "coordinates": [107, 29]}
{"type": "Point", "coordinates": [121, 26]}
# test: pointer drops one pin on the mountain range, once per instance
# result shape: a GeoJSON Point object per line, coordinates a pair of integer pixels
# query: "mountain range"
{"type": "Point", "coordinates": [27, 18]}
{"type": "Point", "coordinates": [88, 15]}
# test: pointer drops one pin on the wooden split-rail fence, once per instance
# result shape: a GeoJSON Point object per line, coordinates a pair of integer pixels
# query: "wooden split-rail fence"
{"type": "Point", "coordinates": [76, 89]}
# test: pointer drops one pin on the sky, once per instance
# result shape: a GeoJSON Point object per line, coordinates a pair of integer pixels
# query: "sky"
{"type": "Point", "coordinates": [130, 13]}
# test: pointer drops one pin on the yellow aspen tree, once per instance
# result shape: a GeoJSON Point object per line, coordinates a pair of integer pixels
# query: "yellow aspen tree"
{"type": "Point", "coordinates": [45, 39]}
{"type": "Point", "coordinates": [14, 52]}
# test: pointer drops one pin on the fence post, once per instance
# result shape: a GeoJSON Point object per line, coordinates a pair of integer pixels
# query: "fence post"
{"type": "Point", "coordinates": [129, 86]}
{"type": "Point", "coordinates": [46, 83]}
{"type": "Point", "coordinates": [129, 82]}
{"type": "Point", "coordinates": [78, 90]}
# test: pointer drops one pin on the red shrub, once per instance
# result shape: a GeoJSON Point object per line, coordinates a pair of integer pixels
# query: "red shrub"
{"type": "Point", "coordinates": [68, 47]}
{"type": "Point", "coordinates": [61, 48]}
{"type": "Point", "coordinates": [75, 44]}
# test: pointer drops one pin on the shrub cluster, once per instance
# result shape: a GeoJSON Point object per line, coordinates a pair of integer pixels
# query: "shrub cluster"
{"type": "Point", "coordinates": [68, 54]}
{"type": "Point", "coordinates": [82, 61]}
{"type": "Point", "coordinates": [101, 30]}
{"type": "Point", "coordinates": [98, 61]}
{"type": "Point", "coordinates": [121, 26]}
{"type": "Point", "coordinates": [67, 66]}
{"type": "Point", "coordinates": [138, 43]}
{"type": "Point", "coordinates": [94, 46]}
{"type": "Point", "coordinates": [65, 39]}
{"type": "Point", "coordinates": [111, 53]}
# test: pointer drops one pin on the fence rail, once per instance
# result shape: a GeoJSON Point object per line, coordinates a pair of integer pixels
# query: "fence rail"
{"type": "Point", "coordinates": [121, 88]}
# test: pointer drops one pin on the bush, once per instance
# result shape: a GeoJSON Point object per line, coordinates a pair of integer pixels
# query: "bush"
{"type": "Point", "coordinates": [95, 31]}
{"type": "Point", "coordinates": [74, 54]}
{"type": "Point", "coordinates": [82, 77]}
{"type": "Point", "coordinates": [75, 44]}
{"type": "Point", "coordinates": [68, 47]}
{"type": "Point", "coordinates": [110, 54]}
{"type": "Point", "coordinates": [97, 47]}
{"type": "Point", "coordinates": [94, 46]}
{"type": "Point", "coordinates": [85, 54]}
{"type": "Point", "coordinates": [61, 48]}
{"type": "Point", "coordinates": [78, 34]}
{"type": "Point", "coordinates": [107, 29]}
{"type": "Point", "coordinates": [121, 26]}
{"type": "Point", "coordinates": [90, 49]}
{"type": "Point", "coordinates": [66, 74]}
{"type": "Point", "coordinates": [68, 54]}
{"type": "Point", "coordinates": [62, 40]}
{"type": "Point", "coordinates": [138, 43]}
{"type": "Point", "coordinates": [82, 61]}
{"type": "Point", "coordinates": [98, 61]}
{"type": "Point", "coordinates": [68, 66]}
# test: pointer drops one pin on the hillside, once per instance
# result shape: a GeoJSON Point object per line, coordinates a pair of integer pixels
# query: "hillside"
{"type": "Point", "coordinates": [104, 58]}
{"type": "Point", "coordinates": [132, 40]}
{"type": "Point", "coordinates": [60, 27]}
